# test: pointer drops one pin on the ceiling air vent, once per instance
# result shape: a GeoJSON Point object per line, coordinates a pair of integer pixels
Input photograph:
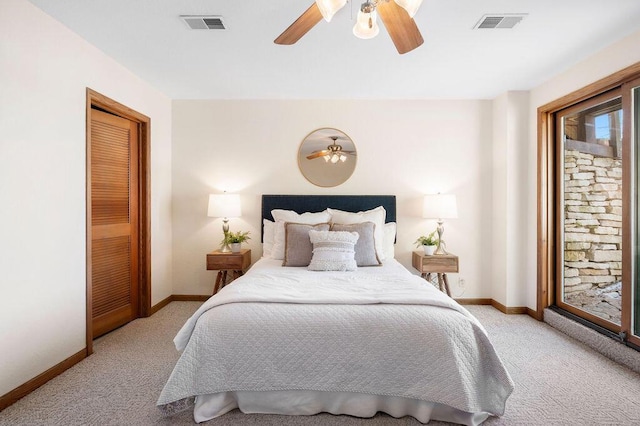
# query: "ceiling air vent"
{"type": "Point", "coordinates": [508, 20]}
{"type": "Point", "coordinates": [203, 22]}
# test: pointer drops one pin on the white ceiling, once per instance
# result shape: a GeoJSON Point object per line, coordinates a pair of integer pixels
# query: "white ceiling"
{"type": "Point", "coordinates": [242, 62]}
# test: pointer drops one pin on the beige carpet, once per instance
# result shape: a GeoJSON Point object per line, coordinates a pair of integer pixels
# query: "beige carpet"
{"type": "Point", "coordinates": [559, 381]}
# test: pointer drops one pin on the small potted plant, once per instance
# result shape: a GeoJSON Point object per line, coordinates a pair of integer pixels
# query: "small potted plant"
{"type": "Point", "coordinates": [235, 240]}
{"type": "Point", "coordinates": [428, 243]}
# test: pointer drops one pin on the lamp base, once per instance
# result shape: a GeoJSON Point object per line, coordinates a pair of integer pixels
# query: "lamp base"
{"type": "Point", "coordinates": [225, 230]}
{"type": "Point", "coordinates": [440, 249]}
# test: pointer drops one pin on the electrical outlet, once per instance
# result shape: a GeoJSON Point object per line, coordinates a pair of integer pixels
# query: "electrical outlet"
{"type": "Point", "coordinates": [461, 282]}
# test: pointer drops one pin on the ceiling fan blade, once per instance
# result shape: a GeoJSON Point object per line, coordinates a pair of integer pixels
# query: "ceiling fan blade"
{"type": "Point", "coordinates": [301, 26]}
{"type": "Point", "coordinates": [317, 154]}
{"type": "Point", "coordinates": [401, 27]}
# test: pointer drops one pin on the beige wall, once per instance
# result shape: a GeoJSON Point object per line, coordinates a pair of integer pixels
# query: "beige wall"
{"type": "Point", "coordinates": [44, 72]}
{"type": "Point", "coordinates": [510, 137]}
{"type": "Point", "coordinates": [406, 148]}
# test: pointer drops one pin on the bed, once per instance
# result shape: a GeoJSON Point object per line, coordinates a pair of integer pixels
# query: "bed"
{"type": "Point", "coordinates": [296, 341]}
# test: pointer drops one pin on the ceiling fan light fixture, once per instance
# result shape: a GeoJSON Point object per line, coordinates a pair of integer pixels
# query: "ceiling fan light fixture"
{"type": "Point", "coordinates": [328, 8]}
{"type": "Point", "coordinates": [411, 6]}
{"type": "Point", "coordinates": [366, 26]}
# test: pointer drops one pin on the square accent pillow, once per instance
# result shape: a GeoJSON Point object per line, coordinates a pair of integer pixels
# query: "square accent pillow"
{"type": "Point", "coordinates": [365, 247]}
{"type": "Point", "coordinates": [333, 251]}
{"type": "Point", "coordinates": [377, 216]}
{"type": "Point", "coordinates": [283, 216]}
{"type": "Point", "coordinates": [298, 248]}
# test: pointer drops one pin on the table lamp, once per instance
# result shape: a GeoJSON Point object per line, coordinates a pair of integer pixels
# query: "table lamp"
{"type": "Point", "coordinates": [439, 207]}
{"type": "Point", "coordinates": [224, 206]}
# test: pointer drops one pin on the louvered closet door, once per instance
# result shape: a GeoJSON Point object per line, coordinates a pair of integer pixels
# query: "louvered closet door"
{"type": "Point", "coordinates": [114, 221]}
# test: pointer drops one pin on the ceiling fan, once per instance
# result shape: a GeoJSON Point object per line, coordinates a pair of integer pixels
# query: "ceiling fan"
{"type": "Point", "coordinates": [396, 15]}
{"type": "Point", "coordinates": [333, 153]}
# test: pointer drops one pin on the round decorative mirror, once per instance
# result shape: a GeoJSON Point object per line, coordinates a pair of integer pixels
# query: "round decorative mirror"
{"type": "Point", "coordinates": [327, 157]}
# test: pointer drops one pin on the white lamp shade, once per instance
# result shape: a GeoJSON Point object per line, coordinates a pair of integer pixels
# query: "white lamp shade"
{"type": "Point", "coordinates": [362, 29]}
{"type": "Point", "coordinates": [411, 6]}
{"type": "Point", "coordinates": [328, 8]}
{"type": "Point", "coordinates": [224, 205]}
{"type": "Point", "coordinates": [440, 206]}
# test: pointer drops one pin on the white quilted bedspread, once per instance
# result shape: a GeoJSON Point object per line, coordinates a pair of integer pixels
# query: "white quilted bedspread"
{"type": "Point", "coordinates": [380, 331]}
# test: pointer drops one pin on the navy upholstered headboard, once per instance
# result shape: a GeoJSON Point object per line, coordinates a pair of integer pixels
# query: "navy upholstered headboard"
{"type": "Point", "coordinates": [317, 203]}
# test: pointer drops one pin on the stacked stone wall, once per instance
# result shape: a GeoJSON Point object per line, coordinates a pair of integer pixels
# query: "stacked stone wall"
{"type": "Point", "coordinates": [593, 223]}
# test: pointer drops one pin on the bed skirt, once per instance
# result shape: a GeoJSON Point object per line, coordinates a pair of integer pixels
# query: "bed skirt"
{"type": "Point", "coordinates": [289, 402]}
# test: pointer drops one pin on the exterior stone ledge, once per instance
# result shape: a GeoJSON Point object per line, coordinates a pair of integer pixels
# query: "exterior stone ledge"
{"type": "Point", "coordinates": [587, 222]}
{"type": "Point", "coordinates": [615, 210]}
{"type": "Point", "coordinates": [605, 256]}
{"type": "Point", "coordinates": [577, 288]}
{"type": "Point", "coordinates": [572, 215]}
{"type": "Point", "coordinates": [602, 196]}
{"type": "Point", "coordinates": [600, 179]}
{"type": "Point", "coordinates": [574, 237]}
{"type": "Point", "coordinates": [586, 209]}
{"type": "Point", "coordinates": [593, 279]}
{"type": "Point", "coordinates": [610, 223]}
{"type": "Point", "coordinates": [574, 256]}
{"type": "Point", "coordinates": [578, 246]}
{"type": "Point", "coordinates": [570, 272]}
{"type": "Point", "coordinates": [580, 265]}
{"type": "Point", "coordinates": [580, 183]}
{"type": "Point", "coordinates": [574, 228]}
{"type": "Point", "coordinates": [605, 247]}
{"type": "Point", "coordinates": [584, 176]}
{"type": "Point", "coordinates": [594, 272]}
{"type": "Point", "coordinates": [606, 230]}
{"type": "Point", "coordinates": [605, 186]}
{"type": "Point", "coordinates": [603, 162]}
{"type": "Point", "coordinates": [608, 216]}
{"type": "Point", "coordinates": [572, 282]}
{"type": "Point", "coordinates": [577, 189]}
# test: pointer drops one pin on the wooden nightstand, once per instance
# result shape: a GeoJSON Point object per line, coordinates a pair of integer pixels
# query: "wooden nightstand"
{"type": "Point", "coordinates": [225, 263]}
{"type": "Point", "coordinates": [436, 264]}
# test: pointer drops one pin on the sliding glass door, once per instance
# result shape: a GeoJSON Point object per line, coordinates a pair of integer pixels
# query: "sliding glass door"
{"type": "Point", "coordinates": [590, 211]}
{"type": "Point", "coordinates": [597, 210]}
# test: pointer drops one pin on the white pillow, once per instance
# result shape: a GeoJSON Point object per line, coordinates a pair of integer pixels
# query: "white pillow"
{"type": "Point", "coordinates": [377, 216]}
{"type": "Point", "coordinates": [390, 240]}
{"type": "Point", "coordinates": [282, 216]}
{"type": "Point", "coordinates": [333, 250]}
{"type": "Point", "coordinates": [267, 237]}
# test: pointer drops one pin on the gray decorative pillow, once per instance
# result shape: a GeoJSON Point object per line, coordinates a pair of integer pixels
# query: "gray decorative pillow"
{"type": "Point", "coordinates": [297, 246]}
{"type": "Point", "coordinates": [333, 251]}
{"type": "Point", "coordinates": [365, 247]}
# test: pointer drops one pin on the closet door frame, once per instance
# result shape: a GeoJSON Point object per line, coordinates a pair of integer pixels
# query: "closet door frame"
{"type": "Point", "coordinates": [99, 101]}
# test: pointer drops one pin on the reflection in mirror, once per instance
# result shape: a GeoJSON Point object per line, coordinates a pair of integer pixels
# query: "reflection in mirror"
{"type": "Point", "coordinates": [327, 157]}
